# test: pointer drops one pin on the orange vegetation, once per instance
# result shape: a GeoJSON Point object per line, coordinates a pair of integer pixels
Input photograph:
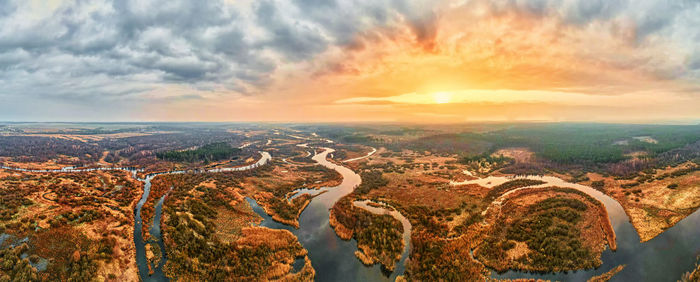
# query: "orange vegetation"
{"type": "Point", "coordinates": [608, 275]}
{"type": "Point", "coordinates": [89, 214]}
{"type": "Point", "coordinates": [518, 154]}
{"type": "Point", "coordinates": [592, 228]}
{"type": "Point", "coordinates": [651, 205]}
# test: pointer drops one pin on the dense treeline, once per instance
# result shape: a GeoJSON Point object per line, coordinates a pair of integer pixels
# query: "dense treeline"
{"type": "Point", "coordinates": [484, 158]}
{"type": "Point", "coordinates": [426, 219]}
{"type": "Point", "coordinates": [549, 229]}
{"type": "Point", "coordinates": [558, 146]}
{"type": "Point", "coordinates": [193, 247]}
{"type": "Point", "coordinates": [436, 259]}
{"type": "Point", "coordinates": [140, 150]}
{"type": "Point", "coordinates": [287, 210]}
{"type": "Point", "coordinates": [359, 139]}
{"type": "Point", "coordinates": [13, 267]}
{"type": "Point", "coordinates": [207, 153]}
{"type": "Point", "coordinates": [529, 168]}
{"type": "Point", "coordinates": [370, 180]}
{"type": "Point", "coordinates": [602, 148]}
{"type": "Point", "coordinates": [41, 149]}
{"type": "Point", "coordinates": [382, 234]}
{"type": "Point", "coordinates": [135, 150]}
{"type": "Point", "coordinates": [677, 156]}
{"type": "Point", "coordinates": [590, 144]}
{"type": "Point", "coordinates": [463, 143]}
{"type": "Point", "coordinates": [56, 233]}
{"type": "Point", "coordinates": [193, 239]}
{"type": "Point", "coordinates": [94, 131]}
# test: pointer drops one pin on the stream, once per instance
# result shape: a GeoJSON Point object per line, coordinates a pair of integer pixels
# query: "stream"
{"type": "Point", "coordinates": [333, 258]}
{"type": "Point", "coordinates": [664, 258]}
{"type": "Point", "coordinates": [364, 204]}
{"type": "Point", "coordinates": [141, 260]}
{"type": "Point", "coordinates": [154, 229]}
{"type": "Point", "coordinates": [155, 232]}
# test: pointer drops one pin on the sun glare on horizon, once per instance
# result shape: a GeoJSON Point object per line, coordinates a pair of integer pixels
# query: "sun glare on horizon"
{"type": "Point", "coordinates": [442, 97]}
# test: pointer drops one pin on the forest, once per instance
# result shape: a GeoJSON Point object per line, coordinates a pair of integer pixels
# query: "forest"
{"type": "Point", "coordinates": [41, 149]}
{"type": "Point", "coordinates": [558, 146]}
{"type": "Point", "coordinates": [370, 180]}
{"type": "Point", "coordinates": [190, 230]}
{"type": "Point", "coordinates": [379, 236]}
{"type": "Point", "coordinates": [137, 149]}
{"type": "Point", "coordinates": [54, 228]}
{"type": "Point", "coordinates": [207, 153]}
{"type": "Point", "coordinates": [437, 259]}
{"type": "Point", "coordinates": [592, 146]}
{"type": "Point", "coordinates": [141, 149]}
{"type": "Point", "coordinates": [549, 228]}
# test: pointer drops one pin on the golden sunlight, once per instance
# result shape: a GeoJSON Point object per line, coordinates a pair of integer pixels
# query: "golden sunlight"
{"type": "Point", "coordinates": [442, 97]}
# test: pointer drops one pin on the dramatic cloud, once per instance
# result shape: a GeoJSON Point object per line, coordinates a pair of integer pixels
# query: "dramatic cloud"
{"type": "Point", "coordinates": [310, 59]}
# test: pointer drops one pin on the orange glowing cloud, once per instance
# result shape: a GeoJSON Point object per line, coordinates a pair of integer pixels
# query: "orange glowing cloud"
{"type": "Point", "coordinates": [477, 54]}
{"type": "Point", "coordinates": [418, 60]}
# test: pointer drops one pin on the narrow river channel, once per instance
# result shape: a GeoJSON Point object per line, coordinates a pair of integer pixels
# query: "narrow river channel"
{"type": "Point", "coordinates": [664, 258]}
{"type": "Point", "coordinates": [332, 258]}
{"type": "Point", "coordinates": [154, 229]}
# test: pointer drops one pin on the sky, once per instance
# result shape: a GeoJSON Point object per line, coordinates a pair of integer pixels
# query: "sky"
{"type": "Point", "coordinates": [355, 60]}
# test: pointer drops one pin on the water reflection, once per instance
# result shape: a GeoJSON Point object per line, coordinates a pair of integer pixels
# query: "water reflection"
{"type": "Point", "coordinates": [664, 258]}
{"type": "Point", "coordinates": [332, 258]}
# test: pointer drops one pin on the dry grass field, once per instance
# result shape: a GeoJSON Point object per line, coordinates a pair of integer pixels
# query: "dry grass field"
{"type": "Point", "coordinates": [583, 231]}
{"type": "Point", "coordinates": [73, 218]}
{"type": "Point", "coordinates": [652, 206]}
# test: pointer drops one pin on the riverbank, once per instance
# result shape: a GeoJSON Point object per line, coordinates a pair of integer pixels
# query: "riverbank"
{"type": "Point", "coordinates": [547, 229]}
{"type": "Point", "coordinates": [68, 217]}
{"type": "Point", "coordinates": [379, 236]}
{"type": "Point", "coordinates": [197, 231]}
{"type": "Point", "coordinates": [658, 203]}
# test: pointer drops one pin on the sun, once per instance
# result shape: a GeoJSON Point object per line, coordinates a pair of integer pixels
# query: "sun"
{"type": "Point", "coordinates": [442, 97]}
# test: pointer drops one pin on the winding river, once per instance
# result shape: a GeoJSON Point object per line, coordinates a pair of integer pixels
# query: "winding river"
{"type": "Point", "coordinates": [664, 258]}
{"type": "Point", "coordinates": [141, 260]}
{"type": "Point", "coordinates": [406, 236]}
{"type": "Point", "coordinates": [154, 229]}
{"type": "Point", "coordinates": [155, 232]}
{"type": "Point", "coordinates": [333, 258]}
